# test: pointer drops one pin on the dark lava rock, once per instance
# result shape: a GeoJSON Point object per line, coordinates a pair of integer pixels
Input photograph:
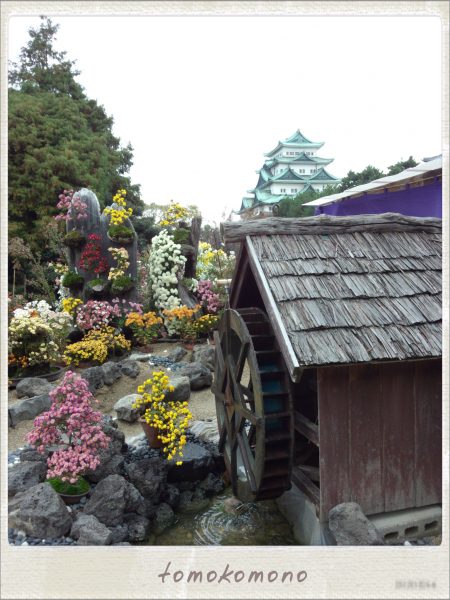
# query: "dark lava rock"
{"type": "Point", "coordinates": [199, 375]}
{"type": "Point", "coordinates": [41, 513]}
{"type": "Point", "coordinates": [197, 463]}
{"type": "Point", "coordinates": [130, 368]}
{"type": "Point", "coordinates": [192, 501]}
{"type": "Point", "coordinates": [205, 355]}
{"type": "Point", "coordinates": [164, 518]}
{"type": "Point", "coordinates": [25, 475]}
{"type": "Point", "coordinates": [111, 459]}
{"type": "Point", "coordinates": [171, 495]}
{"type": "Point", "coordinates": [33, 386]}
{"type": "Point", "coordinates": [28, 409]}
{"type": "Point", "coordinates": [177, 354]}
{"type": "Point", "coordinates": [112, 498]}
{"type": "Point", "coordinates": [88, 530]}
{"type": "Point", "coordinates": [138, 527]}
{"type": "Point", "coordinates": [111, 372]}
{"type": "Point", "coordinates": [31, 455]}
{"type": "Point", "coordinates": [212, 485]}
{"type": "Point", "coordinates": [148, 475]}
{"type": "Point", "coordinates": [182, 389]}
{"type": "Point", "coordinates": [119, 534]}
{"type": "Point", "coordinates": [124, 408]}
{"type": "Point", "coordinates": [95, 378]}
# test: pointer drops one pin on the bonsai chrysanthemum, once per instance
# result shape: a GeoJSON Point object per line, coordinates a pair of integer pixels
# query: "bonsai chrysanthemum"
{"type": "Point", "coordinates": [74, 427]}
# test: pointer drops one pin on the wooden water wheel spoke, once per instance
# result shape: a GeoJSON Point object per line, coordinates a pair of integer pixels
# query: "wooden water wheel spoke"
{"type": "Point", "coordinates": [243, 409]}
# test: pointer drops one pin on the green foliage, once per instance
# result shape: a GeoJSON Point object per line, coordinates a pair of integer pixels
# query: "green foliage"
{"type": "Point", "coordinates": [401, 165]}
{"type": "Point", "coordinates": [57, 138]}
{"type": "Point", "coordinates": [180, 235]}
{"type": "Point", "coordinates": [120, 231]}
{"type": "Point", "coordinates": [34, 278]}
{"type": "Point", "coordinates": [74, 239]}
{"type": "Point", "coordinates": [72, 280]}
{"type": "Point", "coordinates": [122, 284]}
{"type": "Point", "coordinates": [353, 179]}
{"type": "Point", "coordinates": [145, 229]}
{"type": "Point", "coordinates": [70, 489]}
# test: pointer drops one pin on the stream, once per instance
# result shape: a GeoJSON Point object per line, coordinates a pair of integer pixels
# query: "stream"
{"type": "Point", "coordinates": [255, 524]}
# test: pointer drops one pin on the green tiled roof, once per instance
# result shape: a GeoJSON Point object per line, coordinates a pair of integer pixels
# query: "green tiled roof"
{"type": "Point", "coordinates": [298, 138]}
{"type": "Point", "coordinates": [288, 175]}
{"type": "Point", "coordinates": [323, 175]}
{"type": "Point", "coordinates": [303, 158]}
{"type": "Point", "coordinates": [308, 187]}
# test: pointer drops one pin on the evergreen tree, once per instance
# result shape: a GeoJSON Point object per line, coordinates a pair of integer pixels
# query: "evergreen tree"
{"type": "Point", "coordinates": [58, 139]}
{"type": "Point", "coordinates": [401, 165]}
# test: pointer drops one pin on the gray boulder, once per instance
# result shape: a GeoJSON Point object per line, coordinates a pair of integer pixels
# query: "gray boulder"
{"type": "Point", "coordinates": [138, 527]}
{"type": "Point", "coordinates": [24, 475]}
{"type": "Point", "coordinates": [212, 484]}
{"type": "Point", "coordinates": [182, 390]}
{"type": "Point", "coordinates": [112, 498]}
{"type": "Point", "coordinates": [149, 476]}
{"type": "Point", "coordinates": [177, 354]}
{"type": "Point", "coordinates": [140, 356]}
{"type": "Point", "coordinates": [130, 368]}
{"type": "Point", "coordinates": [351, 527]}
{"type": "Point", "coordinates": [192, 501]}
{"type": "Point", "coordinates": [197, 463]}
{"type": "Point", "coordinates": [205, 355]}
{"type": "Point", "coordinates": [171, 495]}
{"type": "Point", "coordinates": [119, 534]}
{"type": "Point", "coordinates": [111, 372]}
{"type": "Point", "coordinates": [164, 518]}
{"type": "Point", "coordinates": [95, 378]}
{"type": "Point", "coordinates": [28, 409]}
{"type": "Point", "coordinates": [33, 386]}
{"type": "Point", "coordinates": [124, 408]}
{"type": "Point", "coordinates": [88, 530]}
{"type": "Point", "coordinates": [41, 513]}
{"type": "Point", "coordinates": [207, 431]}
{"type": "Point", "coordinates": [30, 455]}
{"type": "Point", "coordinates": [199, 375]}
{"type": "Point", "coordinates": [111, 459]}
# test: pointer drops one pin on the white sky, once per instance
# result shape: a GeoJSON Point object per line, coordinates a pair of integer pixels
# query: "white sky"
{"type": "Point", "coordinates": [201, 99]}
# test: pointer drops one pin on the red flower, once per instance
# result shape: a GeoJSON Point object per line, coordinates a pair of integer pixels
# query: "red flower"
{"type": "Point", "coordinates": [91, 257]}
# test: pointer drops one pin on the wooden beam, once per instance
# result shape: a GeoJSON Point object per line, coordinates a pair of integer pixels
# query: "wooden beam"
{"type": "Point", "coordinates": [306, 427]}
{"type": "Point", "coordinates": [290, 358]}
{"type": "Point", "coordinates": [306, 486]}
{"type": "Point", "coordinates": [325, 224]}
{"type": "Point", "coordinates": [311, 472]}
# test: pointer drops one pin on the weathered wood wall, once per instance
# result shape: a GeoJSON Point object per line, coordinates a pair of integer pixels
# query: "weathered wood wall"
{"type": "Point", "coordinates": [380, 435]}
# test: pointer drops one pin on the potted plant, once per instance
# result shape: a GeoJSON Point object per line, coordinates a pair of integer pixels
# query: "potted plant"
{"type": "Point", "coordinates": [120, 234]}
{"type": "Point", "coordinates": [96, 345]}
{"type": "Point", "coordinates": [178, 321]}
{"type": "Point", "coordinates": [164, 421]}
{"type": "Point", "coordinates": [98, 287]}
{"type": "Point", "coordinates": [72, 280]}
{"type": "Point", "coordinates": [91, 259]}
{"type": "Point", "coordinates": [74, 428]}
{"type": "Point", "coordinates": [74, 239]}
{"type": "Point", "coordinates": [118, 212]}
{"type": "Point", "coordinates": [145, 327]}
{"type": "Point", "coordinates": [122, 285]}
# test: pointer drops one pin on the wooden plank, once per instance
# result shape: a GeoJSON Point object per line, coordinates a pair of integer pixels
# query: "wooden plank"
{"type": "Point", "coordinates": [428, 432]}
{"type": "Point", "coordinates": [311, 472]}
{"type": "Point", "coordinates": [365, 438]}
{"type": "Point", "coordinates": [239, 277]}
{"type": "Point", "coordinates": [397, 400]}
{"type": "Point", "coordinates": [306, 427]}
{"type": "Point", "coordinates": [283, 340]}
{"type": "Point", "coordinates": [305, 485]}
{"type": "Point", "coordinates": [332, 391]}
{"type": "Point", "coordinates": [323, 224]}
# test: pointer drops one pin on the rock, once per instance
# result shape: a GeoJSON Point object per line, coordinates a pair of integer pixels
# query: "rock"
{"type": "Point", "coordinates": [164, 518]}
{"type": "Point", "coordinates": [138, 527]}
{"type": "Point", "coordinates": [88, 530]}
{"type": "Point", "coordinates": [130, 368]}
{"type": "Point", "coordinates": [112, 498]}
{"type": "Point", "coordinates": [199, 375]}
{"type": "Point", "coordinates": [25, 475]}
{"type": "Point", "coordinates": [28, 409]}
{"type": "Point", "coordinates": [197, 463]}
{"type": "Point", "coordinates": [171, 495]}
{"type": "Point", "coordinates": [95, 377]}
{"type": "Point", "coordinates": [206, 431]}
{"type": "Point", "coordinates": [33, 386]}
{"type": "Point", "coordinates": [111, 460]}
{"type": "Point", "coordinates": [140, 357]}
{"type": "Point", "coordinates": [41, 513]}
{"type": "Point", "coordinates": [148, 476]}
{"type": "Point", "coordinates": [124, 408]}
{"type": "Point", "coordinates": [212, 484]}
{"type": "Point", "coordinates": [182, 390]}
{"type": "Point", "coordinates": [231, 505]}
{"type": "Point", "coordinates": [111, 372]}
{"type": "Point", "coordinates": [119, 534]}
{"type": "Point", "coordinates": [192, 501]}
{"type": "Point", "coordinates": [30, 455]}
{"type": "Point", "coordinates": [205, 355]}
{"type": "Point", "coordinates": [177, 354]}
{"type": "Point", "coordinates": [351, 527]}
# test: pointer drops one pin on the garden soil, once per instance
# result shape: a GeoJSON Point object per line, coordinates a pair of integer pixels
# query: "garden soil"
{"type": "Point", "coordinates": [201, 403]}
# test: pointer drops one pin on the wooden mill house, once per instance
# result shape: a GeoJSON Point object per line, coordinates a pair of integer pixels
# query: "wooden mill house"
{"type": "Point", "coordinates": [328, 372]}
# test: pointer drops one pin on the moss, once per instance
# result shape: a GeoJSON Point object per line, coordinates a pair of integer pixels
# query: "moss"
{"type": "Point", "coordinates": [74, 239]}
{"type": "Point", "coordinates": [71, 489]}
{"type": "Point", "coordinates": [72, 279]}
{"type": "Point", "coordinates": [181, 235]}
{"type": "Point", "coordinates": [120, 231]}
{"type": "Point", "coordinates": [122, 284]}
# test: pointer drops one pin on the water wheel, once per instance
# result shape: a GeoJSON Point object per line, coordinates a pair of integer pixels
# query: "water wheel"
{"type": "Point", "coordinates": [253, 406]}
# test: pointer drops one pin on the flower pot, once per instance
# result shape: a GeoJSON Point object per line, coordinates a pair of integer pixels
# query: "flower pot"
{"type": "Point", "coordinates": [51, 374]}
{"type": "Point", "coordinates": [124, 241]}
{"type": "Point", "coordinates": [151, 434]}
{"type": "Point", "coordinates": [71, 498]}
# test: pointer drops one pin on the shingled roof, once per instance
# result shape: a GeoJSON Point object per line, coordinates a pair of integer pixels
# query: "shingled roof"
{"type": "Point", "coordinates": [352, 289]}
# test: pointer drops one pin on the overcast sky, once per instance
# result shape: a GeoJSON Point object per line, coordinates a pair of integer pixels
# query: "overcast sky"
{"type": "Point", "coordinates": [201, 99]}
